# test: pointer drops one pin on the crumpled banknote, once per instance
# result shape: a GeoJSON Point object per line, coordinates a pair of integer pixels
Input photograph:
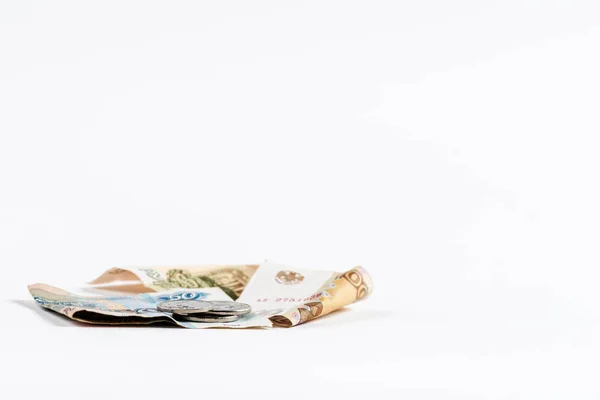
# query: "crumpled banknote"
{"type": "Point", "coordinates": [279, 295]}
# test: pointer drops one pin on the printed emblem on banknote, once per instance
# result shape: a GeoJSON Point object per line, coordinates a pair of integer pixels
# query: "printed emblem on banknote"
{"type": "Point", "coordinates": [288, 277]}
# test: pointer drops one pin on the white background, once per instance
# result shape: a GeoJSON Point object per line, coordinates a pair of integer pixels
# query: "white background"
{"type": "Point", "coordinates": [451, 148]}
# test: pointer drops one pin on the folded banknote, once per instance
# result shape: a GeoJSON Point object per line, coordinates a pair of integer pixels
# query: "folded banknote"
{"type": "Point", "coordinates": [279, 295]}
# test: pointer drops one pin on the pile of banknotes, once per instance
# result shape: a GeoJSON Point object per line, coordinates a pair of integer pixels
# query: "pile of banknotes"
{"type": "Point", "coordinates": [214, 296]}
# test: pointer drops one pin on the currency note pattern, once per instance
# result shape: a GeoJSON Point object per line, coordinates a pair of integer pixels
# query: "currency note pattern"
{"type": "Point", "coordinates": [231, 280]}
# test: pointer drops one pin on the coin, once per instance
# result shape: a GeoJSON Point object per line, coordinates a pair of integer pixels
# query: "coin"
{"type": "Point", "coordinates": [229, 308]}
{"type": "Point", "coordinates": [202, 317]}
{"type": "Point", "coordinates": [184, 306]}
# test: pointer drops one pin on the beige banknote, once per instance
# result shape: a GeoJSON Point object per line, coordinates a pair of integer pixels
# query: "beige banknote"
{"type": "Point", "coordinates": [232, 279]}
{"type": "Point", "coordinates": [279, 295]}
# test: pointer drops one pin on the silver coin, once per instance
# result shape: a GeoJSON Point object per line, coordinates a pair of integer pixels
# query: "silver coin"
{"type": "Point", "coordinates": [184, 306]}
{"type": "Point", "coordinates": [229, 308]}
{"type": "Point", "coordinates": [205, 317]}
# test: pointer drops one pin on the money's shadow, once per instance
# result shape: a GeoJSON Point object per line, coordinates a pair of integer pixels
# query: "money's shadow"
{"type": "Point", "coordinates": [343, 316]}
{"type": "Point", "coordinates": [347, 316]}
{"type": "Point", "coordinates": [48, 315]}
{"type": "Point", "coordinates": [60, 320]}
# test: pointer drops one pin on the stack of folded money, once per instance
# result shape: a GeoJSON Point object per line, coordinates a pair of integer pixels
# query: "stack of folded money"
{"type": "Point", "coordinates": [213, 296]}
{"type": "Point", "coordinates": [204, 311]}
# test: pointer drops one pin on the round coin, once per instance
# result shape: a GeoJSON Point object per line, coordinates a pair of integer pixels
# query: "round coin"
{"type": "Point", "coordinates": [229, 308]}
{"type": "Point", "coordinates": [205, 317]}
{"type": "Point", "coordinates": [184, 306]}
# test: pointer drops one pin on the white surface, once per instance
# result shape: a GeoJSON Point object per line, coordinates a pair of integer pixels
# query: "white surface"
{"type": "Point", "coordinates": [449, 147]}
